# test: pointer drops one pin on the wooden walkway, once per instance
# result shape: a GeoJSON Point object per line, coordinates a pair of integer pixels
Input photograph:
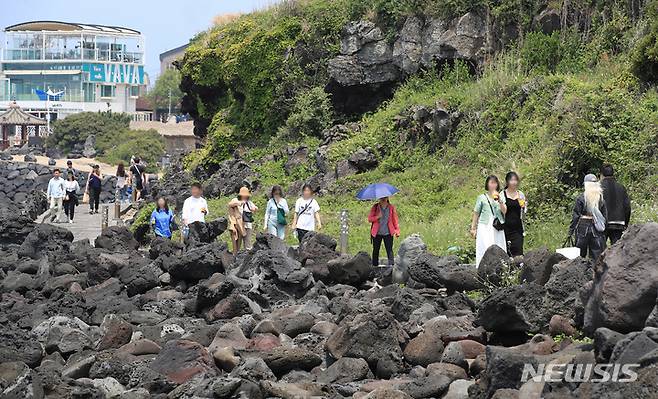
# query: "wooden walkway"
{"type": "Point", "coordinates": [86, 226]}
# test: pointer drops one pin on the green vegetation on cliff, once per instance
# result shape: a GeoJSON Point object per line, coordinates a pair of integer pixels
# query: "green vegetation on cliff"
{"type": "Point", "coordinates": [550, 106]}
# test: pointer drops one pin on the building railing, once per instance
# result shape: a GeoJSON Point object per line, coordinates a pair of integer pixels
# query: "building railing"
{"type": "Point", "coordinates": [73, 55]}
{"type": "Point", "coordinates": [76, 96]}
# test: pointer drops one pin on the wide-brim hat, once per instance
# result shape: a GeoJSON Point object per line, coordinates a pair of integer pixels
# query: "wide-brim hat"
{"type": "Point", "coordinates": [244, 192]}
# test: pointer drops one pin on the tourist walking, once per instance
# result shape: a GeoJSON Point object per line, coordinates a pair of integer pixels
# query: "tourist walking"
{"type": "Point", "coordinates": [138, 178]}
{"type": "Point", "coordinates": [71, 188]}
{"type": "Point", "coordinates": [516, 205]}
{"type": "Point", "coordinates": [487, 225]}
{"type": "Point", "coordinates": [122, 183]}
{"type": "Point", "coordinates": [69, 169]}
{"type": "Point", "coordinates": [55, 195]}
{"type": "Point", "coordinates": [93, 188]}
{"type": "Point", "coordinates": [195, 207]}
{"type": "Point", "coordinates": [276, 212]}
{"type": "Point", "coordinates": [246, 209]}
{"type": "Point", "coordinates": [307, 214]}
{"type": "Point", "coordinates": [617, 203]}
{"type": "Point", "coordinates": [384, 226]}
{"type": "Point", "coordinates": [162, 219]}
{"type": "Point", "coordinates": [588, 222]}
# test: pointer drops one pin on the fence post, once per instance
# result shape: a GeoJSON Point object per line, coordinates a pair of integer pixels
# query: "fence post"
{"type": "Point", "coordinates": [344, 231]}
{"type": "Point", "coordinates": [105, 215]}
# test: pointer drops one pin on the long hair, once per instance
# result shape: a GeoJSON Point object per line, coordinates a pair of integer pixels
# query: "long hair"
{"type": "Point", "coordinates": [121, 170]}
{"type": "Point", "coordinates": [166, 204]}
{"type": "Point", "coordinates": [593, 194]}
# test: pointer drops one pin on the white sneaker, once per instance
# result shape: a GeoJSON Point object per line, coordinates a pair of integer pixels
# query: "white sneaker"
{"type": "Point", "coordinates": [70, 221]}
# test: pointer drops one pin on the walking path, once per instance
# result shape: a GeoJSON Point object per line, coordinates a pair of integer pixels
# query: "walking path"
{"type": "Point", "coordinates": [85, 225]}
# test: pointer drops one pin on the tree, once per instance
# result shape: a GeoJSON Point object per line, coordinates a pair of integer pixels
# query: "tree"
{"type": "Point", "coordinates": [168, 82]}
{"type": "Point", "coordinates": [74, 129]}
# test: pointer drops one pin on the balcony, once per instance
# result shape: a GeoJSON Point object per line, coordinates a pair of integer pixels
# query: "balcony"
{"type": "Point", "coordinates": [73, 55]}
{"type": "Point", "coordinates": [69, 96]}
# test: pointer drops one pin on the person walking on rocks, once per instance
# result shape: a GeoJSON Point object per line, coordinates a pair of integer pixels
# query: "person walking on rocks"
{"type": "Point", "coordinates": [122, 183]}
{"type": "Point", "coordinates": [487, 225]}
{"type": "Point", "coordinates": [93, 189]}
{"type": "Point", "coordinates": [588, 222]}
{"type": "Point", "coordinates": [307, 214]}
{"type": "Point", "coordinates": [71, 188]}
{"type": "Point", "coordinates": [516, 204]}
{"type": "Point", "coordinates": [244, 216]}
{"type": "Point", "coordinates": [617, 202]}
{"type": "Point", "coordinates": [138, 178]}
{"type": "Point", "coordinates": [195, 208]}
{"type": "Point", "coordinates": [69, 169]}
{"type": "Point", "coordinates": [162, 218]}
{"type": "Point", "coordinates": [275, 213]}
{"type": "Point", "coordinates": [55, 194]}
{"type": "Point", "coordinates": [384, 226]}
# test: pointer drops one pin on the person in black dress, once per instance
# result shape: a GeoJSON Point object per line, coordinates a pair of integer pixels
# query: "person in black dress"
{"type": "Point", "coordinates": [516, 209]}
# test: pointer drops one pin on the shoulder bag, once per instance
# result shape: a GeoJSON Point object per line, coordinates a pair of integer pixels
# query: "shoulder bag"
{"type": "Point", "coordinates": [280, 215]}
{"type": "Point", "coordinates": [497, 224]}
{"type": "Point", "coordinates": [247, 216]}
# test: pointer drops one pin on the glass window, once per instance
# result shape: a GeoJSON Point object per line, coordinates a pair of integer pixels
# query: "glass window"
{"type": "Point", "coordinates": [134, 91]}
{"type": "Point", "coordinates": [107, 91]}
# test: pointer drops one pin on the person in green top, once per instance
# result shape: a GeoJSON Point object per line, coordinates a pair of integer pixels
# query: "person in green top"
{"type": "Point", "coordinates": [488, 207]}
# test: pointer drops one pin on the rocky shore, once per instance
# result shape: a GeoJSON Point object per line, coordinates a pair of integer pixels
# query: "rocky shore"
{"type": "Point", "coordinates": [116, 320]}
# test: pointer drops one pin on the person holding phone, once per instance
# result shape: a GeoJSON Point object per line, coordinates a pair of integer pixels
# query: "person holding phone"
{"type": "Point", "coordinates": [488, 222]}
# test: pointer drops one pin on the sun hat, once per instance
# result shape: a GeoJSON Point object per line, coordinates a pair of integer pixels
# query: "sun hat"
{"type": "Point", "coordinates": [244, 192]}
{"type": "Point", "coordinates": [590, 178]}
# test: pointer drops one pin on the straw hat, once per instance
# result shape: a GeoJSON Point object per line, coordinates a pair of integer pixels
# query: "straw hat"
{"type": "Point", "coordinates": [244, 192]}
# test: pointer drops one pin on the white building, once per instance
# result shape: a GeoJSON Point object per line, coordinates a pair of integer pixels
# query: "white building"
{"type": "Point", "coordinates": [53, 69]}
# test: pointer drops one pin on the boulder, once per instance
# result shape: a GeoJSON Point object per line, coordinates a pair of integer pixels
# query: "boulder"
{"type": "Point", "coordinates": [164, 247]}
{"type": "Point", "coordinates": [115, 332]}
{"type": "Point", "coordinates": [374, 337]}
{"type": "Point", "coordinates": [363, 159]}
{"type": "Point", "coordinates": [229, 177]}
{"type": "Point", "coordinates": [116, 239]}
{"type": "Point", "coordinates": [284, 359]}
{"type": "Point", "coordinates": [198, 263]}
{"type": "Point", "coordinates": [444, 271]}
{"type": "Point", "coordinates": [46, 239]}
{"type": "Point", "coordinates": [180, 360]}
{"type": "Point", "coordinates": [296, 157]}
{"type": "Point", "coordinates": [504, 369]}
{"type": "Point", "coordinates": [315, 251]}
{"type": "Point", "coordinates": [431, 386]}
{"type": "Point", "coordinates": [212, 290]}
{"type": "Point", "coordinates": [19, 381]}
{"type": "Point", "coordinates": [625, 286]}
{"type": "Point", "coordinates": [287, 274]}
{"type": "Point", "coordinates": [515, 308]}
{"type": "Point", "coordinates": [424, 349]}
{"type": "Point", "coordinates": [538, 265]}
{"type": "Point", "coordinates": [494, 263]}
{"type": "Point", "coordinates": [350, 270]}
{"type": "Point", "coordinates": [205, 233]}
{"type": "Point", "coordinates": [89, 150]}
{"type": "Point", "coordinates": [345, 370]}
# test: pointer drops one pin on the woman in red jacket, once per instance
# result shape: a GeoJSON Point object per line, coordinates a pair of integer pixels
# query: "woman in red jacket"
{"type": "Point", "coordinates": [384, 219]}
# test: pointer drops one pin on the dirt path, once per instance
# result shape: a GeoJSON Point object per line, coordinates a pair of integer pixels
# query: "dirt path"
{"type": "Point", "coordinates": [81, 164]}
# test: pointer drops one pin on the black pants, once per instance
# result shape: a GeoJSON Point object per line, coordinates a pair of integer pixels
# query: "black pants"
{"type": "Point", "coordinates": [376, 245]}
{"type": "Point", "coordinates": [514, 238]}
{"type": "Point", "coordinates": [300, 234]}
{"type": "Point", "coordinates": [590, 241]}
{"type": "Point", "coordinates": [94, 198]}
{"type": "Point", "coordinates": [69, 208]}
{"type": "Point", "coordinates": [613, 235]}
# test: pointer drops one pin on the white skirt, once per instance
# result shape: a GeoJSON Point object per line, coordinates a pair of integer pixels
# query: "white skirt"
{"type": "Point", "coordinates": [486, 237]}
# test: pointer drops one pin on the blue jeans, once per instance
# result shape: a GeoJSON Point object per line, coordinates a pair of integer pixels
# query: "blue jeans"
{"type": "Point", "coordinates": [123, 194]}
{"type": "Point", "coordinates": [278, 230]}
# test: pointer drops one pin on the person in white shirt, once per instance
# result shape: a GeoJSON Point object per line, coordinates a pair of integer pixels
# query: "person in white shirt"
{"type": "Point", "coordinates": [307, 214]}
{"type": "Point", "coordinates": [195, 208]}
{"type": "Point", "coordinates": [55, 194]}
{"type": "Point", "coordinates": [71, 188]}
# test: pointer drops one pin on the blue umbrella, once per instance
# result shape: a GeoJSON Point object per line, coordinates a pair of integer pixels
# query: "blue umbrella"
{"type": "Point", "coordinates": [376, 191]}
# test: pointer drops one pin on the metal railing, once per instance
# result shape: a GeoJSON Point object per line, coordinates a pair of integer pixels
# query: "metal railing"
{"type": "Point", "coordinates": [73, 55]}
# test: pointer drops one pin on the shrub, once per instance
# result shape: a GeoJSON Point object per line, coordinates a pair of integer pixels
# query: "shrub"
{"type": "Point", "coordinates": [540, 53]}
{"type": "Point", "coordinates": [645, 54]}
{"type": "Point", "coordinates": [311, 114]}
{"type": "Point", "coordinates": [147, 144]}
{"type": "Point", "coordinates": [74, 129]}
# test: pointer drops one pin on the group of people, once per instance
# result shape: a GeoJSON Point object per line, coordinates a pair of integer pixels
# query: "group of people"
{"type": "Point", "coordinates": [63, 188]}
{"type": "Point", "coordinates": [601, 212]}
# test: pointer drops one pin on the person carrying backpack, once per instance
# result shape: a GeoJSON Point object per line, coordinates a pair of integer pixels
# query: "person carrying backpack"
{"type": "Point", "coordinates": [589, 219]}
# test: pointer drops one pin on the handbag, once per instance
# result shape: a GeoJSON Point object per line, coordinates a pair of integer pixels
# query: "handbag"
{"type": "Point", "coordinates": [497, 224]}
{"type": "Point", "coordinates": [85, 198]}
{"type": "Point", "coordinates": [247, 216]}
{"type": "Point", "coordinates": [280, 215]}
{"type": "Point", "coordinates": [569, 250]}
